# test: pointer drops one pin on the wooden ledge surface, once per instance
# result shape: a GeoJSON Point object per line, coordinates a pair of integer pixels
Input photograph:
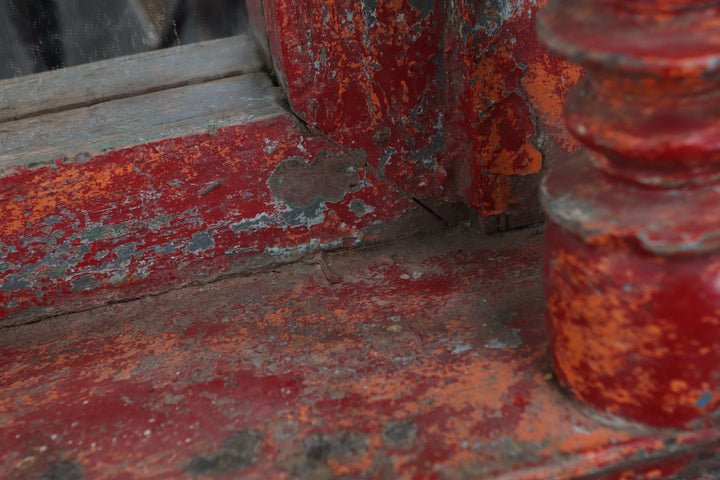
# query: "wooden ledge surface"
{"type": "Point", "coordinates": [127, 76]}
{"type": "Point", "coordinates": [88, 131]}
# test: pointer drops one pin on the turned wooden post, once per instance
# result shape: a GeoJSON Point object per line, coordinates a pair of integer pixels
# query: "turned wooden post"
{"type": "Point", "coordinates": [632, 265]}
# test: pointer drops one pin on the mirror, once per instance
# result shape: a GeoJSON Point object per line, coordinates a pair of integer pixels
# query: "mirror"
{"type": "Point", "coordinates": [39, 35]}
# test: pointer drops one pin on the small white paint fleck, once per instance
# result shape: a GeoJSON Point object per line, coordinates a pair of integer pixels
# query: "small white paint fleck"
{"type": "Point", "coordinates": [147, 432]}
{"type": "Point", "coordinates": [405, 276]}
{"type": "Point", "coordinates": [300, 145]}
{"type": "Point", "coordinates": [461, 349]}
{"type": "Point", "coordinates": [509, 8]}
{"type": "Point", "coordinates": [581, 430]}
{"type": "Point", "coordinates": [495, 343]}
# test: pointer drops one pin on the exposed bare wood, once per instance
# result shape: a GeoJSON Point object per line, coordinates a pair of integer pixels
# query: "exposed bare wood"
{"type": "Point", "coordinates": [125, 122]}
{"type": "Point", "coordinates": [122, 77]}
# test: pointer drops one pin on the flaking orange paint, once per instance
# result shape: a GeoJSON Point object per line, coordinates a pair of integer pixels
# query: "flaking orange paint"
{"type": "Point", "coordinates": [421, 75]}
{"type": "Point", "coordinates": [148, 197]}
{"type": "Point", "coordinates": [616, 346]}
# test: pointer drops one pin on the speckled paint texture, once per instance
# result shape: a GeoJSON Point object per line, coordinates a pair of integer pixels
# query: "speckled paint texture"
{"type": "Point", "coordinates": [505, 106]}
{"type": "Point", "coordinates": [398, 100]}
{"type": "Point", "coordinates": [427, 359]}
{"type": "Point", "coordinates": [451, 100]}
{"type": "Point", "coordinates": [633, 256]}
{"type": "Point", "coordinates": [140, 220]}
{"type": "Point", "coordinates": [366, 73]}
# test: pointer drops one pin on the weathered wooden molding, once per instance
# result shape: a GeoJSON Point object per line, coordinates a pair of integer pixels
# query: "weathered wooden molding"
{"type": "Point", "coordinates": [633, 242]}
{"type": "Point", "coordinates": [447, 99]}
{"type": "Point", "coordinates": [136, 195]}
{"type": "Point", "coordinates": [82, 133]}
{"type": "Point", "coordinates": [128, 76]}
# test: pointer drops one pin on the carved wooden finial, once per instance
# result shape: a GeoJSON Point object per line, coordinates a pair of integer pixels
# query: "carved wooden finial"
{"type": "Point", "coordinates": [632, 265]}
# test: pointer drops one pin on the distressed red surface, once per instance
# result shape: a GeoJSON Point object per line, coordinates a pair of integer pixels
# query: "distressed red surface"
{"type": "Point", "coordinates": [505, 116]}
{"type": "Point", "coordinates": [367, 74]}
{"type": "Point", "coordinates": [632, 248]}
{"type": "Point", "coordinates": [454, 101]}
{"type": "Point", "coordinates": [428, 360]}
{"type": "Point", "coordinates": [140, 220]}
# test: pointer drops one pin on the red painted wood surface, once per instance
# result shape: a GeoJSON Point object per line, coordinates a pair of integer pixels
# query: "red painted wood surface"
{"type": "Point", "coordinates": [632, 261]}
{"type": "Point", "coordinates": [141, 220]}
{"type": "Point", "coordinates": [427, 360]}
{"type": "Point", "coordinates": [424, 100]}
{"type": "Point", "coordinates": [504, 107]}
{"type": "Point", "coordinates": [446, 100]}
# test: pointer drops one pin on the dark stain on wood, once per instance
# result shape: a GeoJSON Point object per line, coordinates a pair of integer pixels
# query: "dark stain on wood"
{"type": "Point", "coordinates": [327, 178]}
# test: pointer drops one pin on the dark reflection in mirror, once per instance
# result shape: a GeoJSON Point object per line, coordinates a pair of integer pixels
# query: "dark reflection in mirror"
{"type": "Point", "coordinates": [38, 35]}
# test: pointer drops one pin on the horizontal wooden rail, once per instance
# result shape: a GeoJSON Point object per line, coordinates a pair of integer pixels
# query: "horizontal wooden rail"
{"type": "Point", "coordinates": [123, 77]}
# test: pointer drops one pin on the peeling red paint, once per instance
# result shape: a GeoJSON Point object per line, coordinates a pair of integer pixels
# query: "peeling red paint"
{"type": "Point", "coordinates": [613, 318]}
{"type": "Point", "coordinates": [429, 360]}
{"type": "Point", "coordinates": [411, 361]}
{"type": "Point", "coordinates": [360, 68]}
{"type": "Point", "coordinates": [464, 96]}
{"type": "Point", "coordinates": [508, 91]}
{"type": "Point", "coordinates": [140, 220]}
{"type": "Point", "coordinates": [633, 256]}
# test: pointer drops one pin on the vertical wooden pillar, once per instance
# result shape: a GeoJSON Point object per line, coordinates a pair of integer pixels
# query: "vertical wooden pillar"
{"type": "Point", "coordinates": [632, 264]}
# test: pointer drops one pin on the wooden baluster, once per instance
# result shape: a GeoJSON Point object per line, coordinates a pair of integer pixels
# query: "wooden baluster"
{"type": "Point", "coordinates": [632, 264]}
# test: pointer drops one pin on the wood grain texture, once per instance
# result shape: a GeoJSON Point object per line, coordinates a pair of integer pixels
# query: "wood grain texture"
{"type": "Point", "coordinates": [87, 131]}
{"type": "Point", "coordinates": [96, 82]}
